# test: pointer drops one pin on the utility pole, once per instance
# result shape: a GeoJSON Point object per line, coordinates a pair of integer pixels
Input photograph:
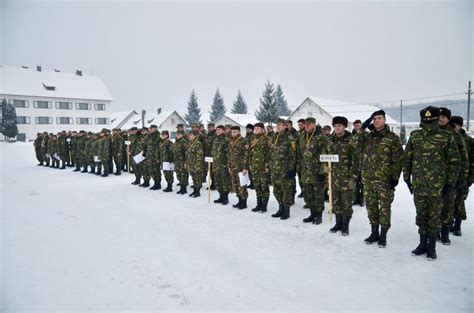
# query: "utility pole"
{"type": "Point", "coordinates": [401, 114]}
{"type": "Point", "coordinates": [469, 91]}
{"type": "Point", "coordinates": [143, 118]}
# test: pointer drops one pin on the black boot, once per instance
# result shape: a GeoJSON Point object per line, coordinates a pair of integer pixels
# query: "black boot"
{"type": "Point", "coordinates": [338, 226]}
{"type": "Point", "coordinates": [156, 185]}
{"type": "Point", "coordinates": [169, 188]}
{"type": "Point", "coordinates": [84, 170]}
{"type": "Point", "coordinates": [279, 212]}
{"type": "Point", "coordinates": [219, 200]}
{"type": "Point", "coordinates": [457, 228]}
{"type": "Point", "coordinates": [105, 174]}
{"type": "Point", "coordinates": [146, 183]}
{"type": "Point", "coordinates": [259, 205]}
{"type": "Point", "coordinates": [78, 169]}
{"type": "Point", "coordinates": [263, 209]}
{"type": "Point", "coordinates": [286, 213]}
{"type": "Point", "coordinates": [63, 167]}
{"type": "Point", "coordinates": [310, 218]}
{"type": "Point", "coordinates": [194, 191]}
{"type": "Point", "coordinates": [99, 171]}
{"type": "Point", "coordinates": [431, 249]}
{"type": "Point", "coordinates": [318, 219]}
{"type": "Point", "coordinates": [382, 242]}
{"type": "Point", "coordinates": [197, 192]}
{"type": "Point", "coordinates": [118, 172]}
{"type": "Point", "coordinates": [374, 236]}
{"type": "Point", "coordinates": [182, 190]}
{"type": "Point", "coordinates": [213, 185]}
{"type": "Point", "coordinates": [422, 246]}
{"type": "Point", "coordinates": [136, 181]}
{"type": "Point", "coordinates": [225, 199]}
{"type": "Point", "coordinates": [445, 235]}
{"type": "Point", "coordinates": [238, 203]}
{"type": "Point", "coordinates": [243, 204]}
{"type": "Point", "coordinates": [345, 225]}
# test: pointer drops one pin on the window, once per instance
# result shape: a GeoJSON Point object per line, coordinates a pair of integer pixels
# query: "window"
{"type": "Point", "coordinates": [83, 120]}
{"type": "Point", "coordinates": [21, 137]}
{"type": "Point", "coordinates": [20, 103]}
{"type": "Point", "coordinates": [22, 120]}
{"type": "Point", "coordinates": [99, 107]}
{"type": "Point", "coordinates": [42, 104]}
{"type": "Point", "coordinates": [44, 120]}
{"type": "Point", "coordinates": [64, 105]}
{"type": "Point", "coordinates": [83, 106]}
{"type": "Point", "coordinates": [64, 120]}
{"type": "Point", "coordinates": [101, 120]}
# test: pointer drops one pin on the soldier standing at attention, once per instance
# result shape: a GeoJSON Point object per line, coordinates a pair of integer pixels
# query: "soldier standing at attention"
{"type": "Point", "coordinates": [210, 136]}
{"type": "Point", "coordinates": [301, 138]}
{"type": "Point", "coordinates": [344, 173]}
{"type": "Point", "coordinates": [270, 132]}
{"type": "Point", "coordinates": [179, 154]}
{"type": "Point", "coordinates": [141, 167]}
{"type": "Point", "coordinates": [37, 146]}
{"type": "Point", "coordinates": [313, 171]}
{"type": "Point", "coordinates": [431, 165]}
{"type": "Point", "coordinates": [152, 164]}
{"type": "Point", "coordinates": [44, 148]}
{"type": "Point", "coordinates": [194, 156]}
{"type": "Point", "coordinates": [166, 152]}
{"type": "Point", "coordinates": [381, 151]}
{"type": "Point", "coordinates": [238, 163]}
{"type": "Point", "coordinates": [220, 150]}
{"type": "Point", "coordinates": [104, 152]}
{"type": "Point", "coordinates": [359, 187]}
{"type": "Point", "coordinates": [134, 138]}
{"type": "Point", "coordinates": [260, 167]}
{"type": "Point", "coordinates": [249, 136]}
{"type": "Point", "coordinates": [117, 147]}
{"type": "Point", "coordinates": [283, 169]}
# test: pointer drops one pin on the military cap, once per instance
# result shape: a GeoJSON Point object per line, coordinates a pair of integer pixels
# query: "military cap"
{"type": "Point", "coordinates": [379, 112]}
{"type": "Point", "coordinates": [221, 127]}
{"type": "Point", "coordinates": [180, 126]}
{"type": "Point", "coordinates": [357, 122]}
{"type": "Point", "coordinates": [445, 112]}
{"type": "Point", "coordinates": [153, 126]}
{"type": "Point", "coordinates": [456, 120]}
{"type": "Point", "coordinates": [339, 120]}
{"type": "Point", "coordinates": [165, 132]}
{"type": "Point", "coordinates": [259, 125]}
{"type": "Point", "coordinates": [310, 120]}
{"type": "Point", "coordinates": [134, 128]}
{"type": "Point", "coordinates": [228, 125]}
{"type": "Point", "coordinates": [145, 128]}
{"type": "Point", "coordinates": [211, 124]}
{"type": "Point", "coordinates": [249, 126]}
{"type": "Point", "coordinates": [326, 127]}
{"type": "Point", "coordinates": [430, 114]}
{"type": "Point", "coordinates": [180, 132]}
{"type": "Point", "coordinates": [289, 122]}
{"type": "Point", "coordinates": [281, 121]}
{"type": "Point", "coordinates": [235, 128]}
{"type": "Point", "coordinates": [301, 120]}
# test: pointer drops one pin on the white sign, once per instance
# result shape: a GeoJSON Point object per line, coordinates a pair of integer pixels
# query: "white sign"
{"type": "Point", "coordinates": [209, 159]}
{"type": "Point", "coordinates": [128, 142]}
{"type": "Point", "coordinates": [139, 158]}
{"type": "Point", "coordinates": [244, 179]}
{"type": "Point", "coordinates": [329, 158]}
{"type": "Point", "coordinates": [96, 158]}
{"type": "Point", "coordinates": [168, 166]}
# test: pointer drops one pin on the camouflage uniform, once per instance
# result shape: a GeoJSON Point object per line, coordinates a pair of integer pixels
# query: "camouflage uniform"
{"type": "Point", "coordinates": [87, 154]}
{"type": "Point", "coordinates": [37, 145]}
{"type": "Point", "coordinates": [220, 150]}
{"type": "Point", "coordinates": [237, 162]}
{"type": "Point", "coordinates": [104, 153]}
{"type": "Point", "coordinates": [117, 150]}
{"type": "Point", "coordinates": [300, 142]}
{"type": "Point", "coordinates": [81, 153]}
{"type": "Point", "coordinates": [179, 153]}
{"type": "Point", "coordinates": [209, 140]}
{"type": "Point", "coordinates": [166, 151]}
{"type": "Point", "coordinates": [62, 150]}
{"type": "Point", "coordinates": [152, 163]}
{"type": "Point", "coordinates": [73, 147]}
{"type": "Point", "coordinates": [52, 150]}
{"type": "Point", "coordinates": [260, 165]}
{"type": "Point", "coordinates": [467, 161]}
{"type": "Point", "coordinates": [194, 165]}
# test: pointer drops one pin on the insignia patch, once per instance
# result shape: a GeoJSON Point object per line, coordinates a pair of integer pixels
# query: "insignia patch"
{"type": "Point", "coordinates": [293, 146]}
{"type": "Point", "coordinates": [427, 114]}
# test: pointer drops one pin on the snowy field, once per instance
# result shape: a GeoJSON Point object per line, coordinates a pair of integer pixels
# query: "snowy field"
{"type": "Point", "coordinates": [72, 241]}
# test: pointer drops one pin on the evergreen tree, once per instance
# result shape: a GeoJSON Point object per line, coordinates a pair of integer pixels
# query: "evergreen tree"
{"type": "Point", "coordinates": [281, 103]}
{"type": "Point", "coordinates": [403, 135]}
{"type": "Point", "coordinates": [268, 112]}
{"type": "Point", "coordinates": [194, 112]}
{"type": "Point", "coordinates": [240, 106]}
{"type": "Point", "coordinates": [218, 108]}
{"type": "Point", "coordinates": [8, 126]}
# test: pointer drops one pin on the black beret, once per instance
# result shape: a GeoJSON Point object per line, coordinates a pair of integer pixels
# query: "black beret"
{"type": "Point", "coordinates": [153, 126]}
{"type": "Point", "coordinates": [236, 128]}
{"type": "Point", "coordinates": [301, 120]}
{"type": "Point", "coordinates": [379, 112]}
{"type": "Point", "coordinates": [456, 120]}
{"type": "Point", "coordinates": [357, 122]}
{"type": "Point", "coordinates": [445, 112]}
{"type": "Point", "coordinates": [221, 127]}
{"type": "Point", "coordinates": [211, 124]}
{"type": "Point", "coordinates": [340, 120]}
{"type": "Point", "coordinates": [134, 128]}
{"type": "Point", "coordinates": [259, 125]}
{"type": "Point", "coordinates": [250, 126]}
{"type": "Point", "coordinates": [430, 114]}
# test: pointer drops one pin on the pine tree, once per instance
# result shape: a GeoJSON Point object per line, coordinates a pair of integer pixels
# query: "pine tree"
{"type": "Point", "coordinates": [218, 108]}
{"type": "Point", "coordinates": [403, 135]}
{"type": "Point", "coordinates": [8, 126]}
{"type": "Point", "coordinates": [194, 112]}
{"type": "Point", "coordinates": [281, 103]}
{"type": "Point", "coordinates": [268, 112]}
{"type": "Point", "coordinates": [240, 106]}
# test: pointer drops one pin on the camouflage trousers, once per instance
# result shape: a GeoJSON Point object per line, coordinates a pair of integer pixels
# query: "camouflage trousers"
{"type": "Point", "coordinates": [181, 175]}
{"type": "Point", "coordinates": [39, 155]}
{"type": "Point", "coordinates": [342, 201]}
{"type": "Point", "coordinates": [151, 169]}
{"type": "Point", "coordinates": [169, 176]}
{"type": "Point", "coordinates": [118, 161]}
{"type": "Point", "coordinates": [241, 191]}
{"type": "Point", "coordinates": [459, 211]}
{"type": "Point", "coordinates": [313, 194]}
{"type": "Point", "coordinates": [359, 191]}
{"type": "Point", "coordinates": [448, 207]}
{"type": "Point", "coordinates": [261, 182]}
{"type": "Point", "coordinates": [104, 162]}
{"type": "Point", "coordinates": [429, 204]}
{"type": "Point", "coordinates": [196, 176]}
{"type": "Point", "coordinates": [378, 199]}
{"type": "Point", "coordinates": [282, 190]}
{"type": "Point", "coordinates": [221, 179]}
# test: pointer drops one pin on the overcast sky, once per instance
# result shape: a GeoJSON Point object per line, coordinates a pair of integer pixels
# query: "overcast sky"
{"type": "Point", "coordinates": [152, 54]}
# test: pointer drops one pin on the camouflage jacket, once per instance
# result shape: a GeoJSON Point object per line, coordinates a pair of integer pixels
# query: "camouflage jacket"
{"type": "Point", "coordinates": [463, 153]}
{"type": "Point", "coordinates": [209, 139]}
{"type": "Point", "coordinates": [345, 172]}
{"type": "Point", "coordinates": [470, 148]}
{"type": "Point", "coordinates": [431, 159]}
{"type": "Point", "coordinates": [117, 144]}
{"type": "Point", "coordinates": [166, 150]}
{"type": "Point", "coordinates": [195, 156]}
{"type": "Point", "coordinates": [283, 155]}
{"type": "Point", "coordinates": [104, 148]}
{"type": "Point", "coordinates": [312, 146]}
{"type": "Point", "coordinates": [260, 153]}
{"type": "Point", "coordinates": [37, 142]}
{"type": "Point", "coordinates": [381, 156]}
{"type": "Point", "coordinates": [61, 146]}
{"type": "Point", "coordinates": [220, 151]}
{"type": "Point", "coordinates": [238, 154]}
{"type": "Point", "coordinates": [179, 152]}
{"type": "Point", "coordinates": [249, 137]}
{"type": "Point", "coordinates": [151, 147]}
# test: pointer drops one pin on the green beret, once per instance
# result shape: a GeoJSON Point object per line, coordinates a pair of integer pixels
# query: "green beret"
{"type": "Point", "coordinates": [310, 120]}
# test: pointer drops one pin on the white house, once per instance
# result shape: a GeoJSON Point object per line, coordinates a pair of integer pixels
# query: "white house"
{"type": "Point", "coordinates": [323, 110]}
{"type": "Point", "coordinates": [120, 119]}
{"type": "Point", "coordinates": [240, 120]}
{"type": "Point", "coordinates": [53, 101]}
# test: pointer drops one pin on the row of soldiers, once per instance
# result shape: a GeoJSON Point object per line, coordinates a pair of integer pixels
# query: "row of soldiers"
{"type": "Point", "coordinates": [437, 167]}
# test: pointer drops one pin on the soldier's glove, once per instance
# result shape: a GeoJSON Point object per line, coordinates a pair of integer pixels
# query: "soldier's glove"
{"type": "Point", "coordinates": [446, 189]}
{"type": "Point", "coordinates": [321, 178]}
{"type": "Point", "coordinates": [291, 174]}
{"type": "Point", "coordinates": [409, 185]}
{"type": "Point", "coordinates": [144, 154]}
{"type": "Point", "coordinates": [393, 183]}
{"type": "Point", "coordinates": [367, 122]}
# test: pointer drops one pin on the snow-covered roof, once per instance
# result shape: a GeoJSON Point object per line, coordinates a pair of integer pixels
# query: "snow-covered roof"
{"type": "Point", "coordinates": [352, 111]}
{"type": "Point", "coordinates": [118, 119]}
{"type": "Point", "coordinates": [242, 119]}
{"type": "Point", "coordinates": [159, 119]}
{"type": "Point", "coordinates": [30, 82]}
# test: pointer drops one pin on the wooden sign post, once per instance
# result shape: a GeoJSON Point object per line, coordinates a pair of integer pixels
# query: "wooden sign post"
{"type": "Point", "coordinates": [70, 154]}
{"type": "Point", "coordinates": [329, 158]}
{"type": "Point", "coordinates": [128, 143]}
{"type": "Point", "coordinates": [209, 160]}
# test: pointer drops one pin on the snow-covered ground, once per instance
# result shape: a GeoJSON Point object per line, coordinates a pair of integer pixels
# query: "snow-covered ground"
{"type": "Point", "coordinates": [72, 241]}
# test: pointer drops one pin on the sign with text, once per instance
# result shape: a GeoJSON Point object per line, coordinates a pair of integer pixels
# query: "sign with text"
{"type": "Point", "coordinates": [329, 158]}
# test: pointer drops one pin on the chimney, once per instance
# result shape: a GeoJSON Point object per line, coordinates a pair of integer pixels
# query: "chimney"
{"type": "Point", "coordinates": [78, 73]}
{"type": "Point", "coordinates": [57, 71]}
{"type": "Point", "coordinates": [24, 66]}
{"type": "Point", "coordinates": [38, 68]}
{"type": "Point", "coordinates": [159, 111]}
